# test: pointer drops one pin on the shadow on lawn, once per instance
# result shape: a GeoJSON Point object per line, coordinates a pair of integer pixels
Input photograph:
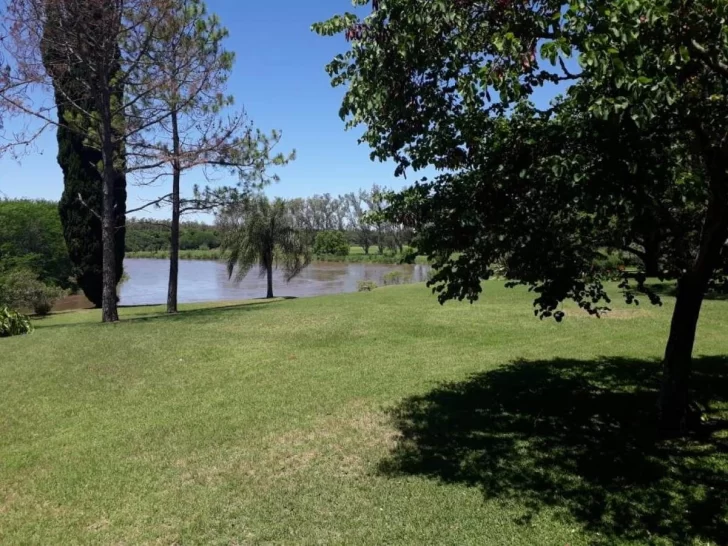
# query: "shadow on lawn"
{"type": "Point", "coordinates": [188, 315]}
{"type": "Point", "coordinates": [577, 435]}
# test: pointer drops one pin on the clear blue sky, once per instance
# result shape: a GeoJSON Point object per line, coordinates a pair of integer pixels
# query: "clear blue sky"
{"type": "Point", "coordinates": [279, 78]}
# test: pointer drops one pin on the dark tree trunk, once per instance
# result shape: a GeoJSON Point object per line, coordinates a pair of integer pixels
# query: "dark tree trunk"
{"type": "Point", "coordinates": [674, 403]}
{"type": "Point", "coordinates": [174, 236]}
{"type": "Point", "coordinates": [174, 250]}
{"type": "Point", "coordinates": [651, 257]}
{"type": "Point", "coordinates": [108, 224]}
{"type": "Point", "coordinates": [269, 273]}
{"type": "Point", "coordinates": [677, 365]}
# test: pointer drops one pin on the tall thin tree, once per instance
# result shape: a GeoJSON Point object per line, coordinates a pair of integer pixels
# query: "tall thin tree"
{"type": "Point", "coordinates": [198, 134]}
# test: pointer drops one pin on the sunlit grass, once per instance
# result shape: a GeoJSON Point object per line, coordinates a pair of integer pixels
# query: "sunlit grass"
{"type": "Point", "coordinates": [328, 420]}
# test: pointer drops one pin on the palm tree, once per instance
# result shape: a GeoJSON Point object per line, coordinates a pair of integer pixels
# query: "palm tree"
{"type": "Point", "coordinates": [261, 232]}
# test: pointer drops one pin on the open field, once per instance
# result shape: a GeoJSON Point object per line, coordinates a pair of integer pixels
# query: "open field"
{"type": "Point", "coordinates": [370, 418]}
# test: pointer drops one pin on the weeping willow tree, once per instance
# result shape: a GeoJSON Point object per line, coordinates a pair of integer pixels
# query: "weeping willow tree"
{"type": "Point", "coordinates": [261, 232]}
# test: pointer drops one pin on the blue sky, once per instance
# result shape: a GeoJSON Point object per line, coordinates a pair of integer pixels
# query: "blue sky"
{"type": "Point", "coordinates": [279, 79]}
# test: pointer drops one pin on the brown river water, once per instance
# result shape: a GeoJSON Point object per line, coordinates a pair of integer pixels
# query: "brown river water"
{"type": "Point", "coordinates": [202, 280]}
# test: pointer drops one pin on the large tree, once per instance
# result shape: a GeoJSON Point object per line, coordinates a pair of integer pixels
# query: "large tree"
{"type": "Point", "coordinates": [446, 84]}
{"type": "Point", "coordinates": [80, 202]}
{"type": "Point", "coordinates": [106, 67]}
{"type": "Point", "coordinates": [82, 198]}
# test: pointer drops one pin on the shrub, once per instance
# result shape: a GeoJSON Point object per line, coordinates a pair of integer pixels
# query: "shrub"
{"type": "Point", "coordinates": [13, 323]}
{"type": "Point", "coordinates": [395, 277]}
{"type": "Point", "coordinates": [21, 289]}
{"type": "Point", "coordinates": [365, 286]}
{"type": "Point", "coordinates": [331, 242]}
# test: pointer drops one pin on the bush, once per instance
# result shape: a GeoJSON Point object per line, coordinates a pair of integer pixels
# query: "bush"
{"type": "Point", "coordinates": [31, 237]}
{"type": "Point", "coordinates": [395, 277]}
{"type": "Point", "coordinates": [331, 242]}
{"type": "Point", "coordinates": [365, 286]}
{"type": "Point", "coordinates": [13, 323]}
{"type": "Point", "coordinates": [21, 289]}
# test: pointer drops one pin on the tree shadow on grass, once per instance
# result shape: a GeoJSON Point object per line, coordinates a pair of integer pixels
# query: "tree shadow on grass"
{"type": "Point", "coordinates": [184, 315]}
{"type": "Point", "coordinates": [580, 436]}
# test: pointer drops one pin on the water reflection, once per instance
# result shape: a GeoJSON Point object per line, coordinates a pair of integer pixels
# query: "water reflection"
{"type": "Point", "coordinates": [208, 280]}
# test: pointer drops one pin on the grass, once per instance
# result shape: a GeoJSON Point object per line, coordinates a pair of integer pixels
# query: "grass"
{"type": "Point", "coordinates": [372, 418]}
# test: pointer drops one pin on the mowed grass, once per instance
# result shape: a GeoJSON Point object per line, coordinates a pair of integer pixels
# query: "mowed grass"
{"type": "Point", "coordinates": [372, 418]}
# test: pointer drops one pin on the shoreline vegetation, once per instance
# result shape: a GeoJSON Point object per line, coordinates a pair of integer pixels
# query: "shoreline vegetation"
{"type": "Point", "coordinates": [356, 255]}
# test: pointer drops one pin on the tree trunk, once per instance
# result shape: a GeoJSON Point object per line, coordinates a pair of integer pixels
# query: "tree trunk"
{"type": "Point", "coordinates": [269, 272]}
{"type": "Point", "coordinates": [174, 236]}
{"type": "Point", "coordinates": [109, 311]}
{"type": "Point", "coordinates": [677, 365]}
{"type": "Point", "coordinates": [651, 257]}
{"type": "Point", "coordinates": [674, 398]}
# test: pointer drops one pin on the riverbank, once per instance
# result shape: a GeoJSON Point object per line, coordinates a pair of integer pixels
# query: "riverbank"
{"type": "Point", "coordinates": [367, 418]}
{"type": "Point", "coordinates": [356, 255]}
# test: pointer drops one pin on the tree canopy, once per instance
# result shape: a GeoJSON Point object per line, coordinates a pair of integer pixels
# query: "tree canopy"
{"type": "Point", "coordinates": [637, 140]}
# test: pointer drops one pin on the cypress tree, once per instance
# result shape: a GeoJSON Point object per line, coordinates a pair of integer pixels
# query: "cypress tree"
{"type": "Point", "coordinates": [82, 199]}
{"type": "Point", "coordinates": [81, 225]}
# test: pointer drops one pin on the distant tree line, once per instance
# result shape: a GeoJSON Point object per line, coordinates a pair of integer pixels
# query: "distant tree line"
{"type": "Point", "coordinates": [153, 235]}
{"type": "Point", "coordinates": [354, 214]}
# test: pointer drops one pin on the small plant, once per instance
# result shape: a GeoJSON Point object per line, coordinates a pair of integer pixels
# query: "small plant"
{"type": "Point", "coordinates": [365, 286]}
{"type": "Point", "coordinates": [395, 277]}
{"type": "Point", "coordinates": [13, 323]}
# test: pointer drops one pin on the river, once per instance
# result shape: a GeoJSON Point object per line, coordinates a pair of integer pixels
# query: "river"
{"type": "Point", "coordinates": [202, 280]}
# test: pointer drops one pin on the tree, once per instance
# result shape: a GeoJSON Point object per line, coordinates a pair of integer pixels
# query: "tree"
{"type": "Point", "coordinates": [192, 60]}
{"type": "Point", "coordinates": [375, 201]}
{"type": "Point", "coordinates": [332, 243]}
{"type": "Point", "coordinates": [82, 196]}
{"type": "Point", "coordinates": [446, 84]}
{"type": "Point", "coordinates": [100, 51]}
{"type": "Point", "coordinates": [356, 218]}
{"type": "Point", "coordinates": [258, 231]}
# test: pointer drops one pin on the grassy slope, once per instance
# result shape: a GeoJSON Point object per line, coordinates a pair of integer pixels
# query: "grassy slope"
{"type": "Point", "coordinates": [324, 420]}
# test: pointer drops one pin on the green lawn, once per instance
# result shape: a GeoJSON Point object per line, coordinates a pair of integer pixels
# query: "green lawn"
{"type": "Point", "coordinates": [371, 418]}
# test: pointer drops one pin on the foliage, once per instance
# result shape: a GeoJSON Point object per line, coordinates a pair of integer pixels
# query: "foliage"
{"type": "Point", "coordinates": [261, 232]}
{"type": "Point", "coordinates": [395, 277]}
{"type": "Point", "coordinates": [365, 286]}
{"type": "Point", "coordinates": [22, 289]}
{"type": "Point", "coordinates": [148, 235]}
{"type": "Point", "coordinates": [635, 147]}
{"type": "Point", "coordinates": [331, 242]}
{"type": "Point", "coordinates": [31, 238]}
{"type": "Point", "coordinates": [405, 53]}
{"type": "Point", "coordinates": [13, 323]}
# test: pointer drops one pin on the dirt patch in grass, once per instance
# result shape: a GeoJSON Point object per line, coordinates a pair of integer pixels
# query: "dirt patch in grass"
{"type": "Point", "coordinates": [341, 445]}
